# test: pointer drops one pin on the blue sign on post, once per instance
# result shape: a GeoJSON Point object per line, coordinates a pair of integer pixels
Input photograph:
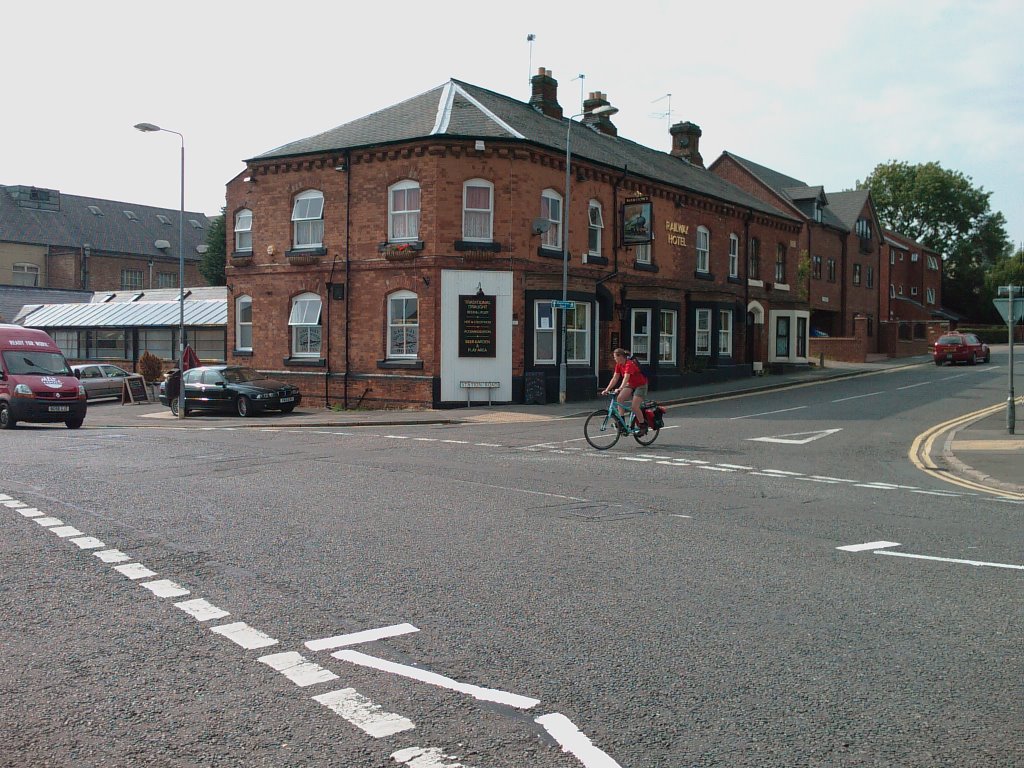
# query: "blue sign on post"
{"type": "Point", "coordinates": [559, 304]}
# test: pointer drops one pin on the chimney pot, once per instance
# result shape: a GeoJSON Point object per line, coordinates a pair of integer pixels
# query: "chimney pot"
{"type": "Point", "coordinates": [686, 142]}
{"type": "Point", "coordinates": [545, 94]}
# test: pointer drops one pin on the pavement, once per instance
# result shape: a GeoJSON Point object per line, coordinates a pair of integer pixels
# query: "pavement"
{"type": "Point", "coordinates": [977, 448]}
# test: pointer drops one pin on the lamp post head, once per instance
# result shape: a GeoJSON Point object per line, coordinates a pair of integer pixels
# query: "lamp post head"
{"type": "Point", "coordinates": [146, 127]}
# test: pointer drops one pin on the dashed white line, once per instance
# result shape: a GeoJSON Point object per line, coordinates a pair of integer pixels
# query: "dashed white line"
{"type": "Point", "coordinates": [88, 542]}
{"type": "Point", "coordinates": [953, 560]}
{"type": "Point", "coordinates": [13, 504]}
{"type": "Point", "coordinates": [870, 545]}
{"type": "Point", "coordinates": [112, 556]}
{"type": "Point", "coordinates": [134, 571]}
{"type": "Point", "coordinates": [242, 634]}
{"type": "Point", "coordinates": [30, 512]}
{"type": "Point", "coordinates": [46, 522]}
{"type": "Point", "coordinates": [782, 472]}
{"type": "Point", "coordinates": [920, 384]}
{"type": "Point", "coordinates": [66, 531]}
{"type": "Point", "coordinates": [364, 714]}
{"type": "Point", "coordinates": [857, 397]}
{"type": "Point", "coordinates": [432, 678]}
{"type": "Point", "coordinates": [164, 588]}
{"type": "Point", "coordinates": [767, 413]}
{"type": "Point", "coordinates": [713, 468]}
{"type": "Point", "coordinates": [573, 741]}
{"type": "Point", "coordinates": [201, 610]}
{"type": "Point", "coordinates": [355, 638]}
{"type": "Point", "coordinates": [298, 669]}
{"type": "Point", "coordinates": [426, 757]}
{"type": "Point", "coordinates": [735, 466]}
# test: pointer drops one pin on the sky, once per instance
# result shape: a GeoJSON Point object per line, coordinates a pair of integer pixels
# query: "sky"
{"type": "Point", "coordinates": [820, 91]}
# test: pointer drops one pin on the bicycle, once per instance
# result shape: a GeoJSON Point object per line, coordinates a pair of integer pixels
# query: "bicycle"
{"type": "Point", "coordinates": [603, 428]}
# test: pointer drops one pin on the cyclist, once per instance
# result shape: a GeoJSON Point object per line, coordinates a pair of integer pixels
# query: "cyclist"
{"type": "Point", "coordinates": [631, 384]}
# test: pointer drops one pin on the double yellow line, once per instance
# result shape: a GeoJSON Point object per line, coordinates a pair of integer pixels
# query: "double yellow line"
{"type": "Point", "coordinates": [920, 453]}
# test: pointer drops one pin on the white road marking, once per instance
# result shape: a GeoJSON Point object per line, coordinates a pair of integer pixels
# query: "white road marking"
{"type": "Point", "coordinates": [869, 545]}
{"type": "Point", "coordinates": [66, 531]}
{"type": "Point", "coordinates": [5, 497]}
{"type": "Point", "coordinates": [242, 634]}
{"type": "Point", "coordinates": [633, 458]}
{"type": "Point", "coordinates": [456, 442]}
{"type": "Point", "coordinates": [717, 469]}
{"type": "Point", "coordinates": [953, 560]}
{"type": "Point", "coordinates": [298, 669]}
{"type": "Point", "coordinates": [364, 714]}
{"type": "Point", "coordinates": [396, 437]}
{"type": "Point", "coordinates": [164, 588]}
{"type": "Point", "coordinates": [741, 466]}
{"type": "Point", "coordinates": [921, 384]}
{"type": "Point", "coordinates": [489, 445]}
{"type": "Point", "coordinates": [112, 556]}
{"type": "Point", "coordinates": [874, 487]}
{"type": "Point", "coordinates": [796, 438]}
{"type": "Point", "coordinates": [947, 494]}
{"type": "Point", "coordinates": [573, 741]}
{"type": "Point", "coordinates": [426, 439]}
{"type": "Point", "coordinates": [134, 571]}
{"type": "Point", "coordinates": [782, 472]}
{"type": "Point", "coordinates": [836, 479]}
{"type": "Point", "coordinates": [30, 512]}
{"type": "Point", "coordinates": [201, 610]}
{"type": "Point", "coordinates": [857, 397]}
{"type": "Point", "coordinates": [426, 757]}
{"type": "Point", "coordinates": [47, 521]}
{"type": "Point", "coordinates": [355, 638]}
{"type": "Point", "coordinates": [766, 413]}
{"type": "Point", "coordinates": [13, 504]}
{"type": "Point", "coordinates": [88, 542]}
{"type": "Point", "coordinates": [690, 516]}
{"type": "Point", "coordinates": [432, 678]}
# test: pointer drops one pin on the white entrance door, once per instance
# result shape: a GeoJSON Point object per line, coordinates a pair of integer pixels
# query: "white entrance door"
{"type": "Point", "coordinates": [456, 369]}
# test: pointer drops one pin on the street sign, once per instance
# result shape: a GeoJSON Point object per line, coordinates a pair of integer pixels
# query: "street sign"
{"type": "Point", "coordinates": [559, 304]}
{"type": "Point", "coordinates": [1003, 305]}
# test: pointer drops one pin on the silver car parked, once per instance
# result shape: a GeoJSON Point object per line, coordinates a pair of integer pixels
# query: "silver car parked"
{"type": "Point", "coordinates": [101, 379]}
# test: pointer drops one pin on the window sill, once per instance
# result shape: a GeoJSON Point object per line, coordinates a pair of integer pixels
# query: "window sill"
{"type": "Point", "coordinates": [593, 258]}
{"type": "Point", "coordinates": [645, 267]}
{"type": "Point", "coordinates": [241, 258]}
{"type": "Point", "coordinates": [477, 245]}
{"type": "Point", "coordinates": [305, 362]}
{"type": "Point", "coordinates": [703, 275]}
{"type": "Point", "coordinates": [404, 245]}
{"type": "Point", "coordinates": [242, 353]}
{"type": "Point", "coordinates": [735, 281]}
{"type": "Point", "coordinates": [398, 364]}
{"type": "Point", "coordinates": [782, 286]}
{"type": "Point", "coordinates": [305, 255]}
{"type": "Point", "coordinates": [551, 253]}
{"type": "Point", "coordinates": [755, 283]}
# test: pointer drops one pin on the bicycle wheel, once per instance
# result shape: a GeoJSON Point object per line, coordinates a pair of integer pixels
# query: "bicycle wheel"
{"type": "Point", "coordinates": [650, 437]}
{"type": "Point", "coordinates": [601, 430]}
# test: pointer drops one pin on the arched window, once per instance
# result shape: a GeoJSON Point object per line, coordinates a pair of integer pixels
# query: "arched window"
{"type": "Point", "coordinates": [403, 325]}
{"type": "Point", "coordinates": [551, 209]}
{"type": "Point", "coordinates": [304, 321]}
{"type": "Point", "coordinates": [703, 249]}
{"type": "Point", "coordinates": [243, 324]}
{"type": "Point", "coordinates": [404, 211]}
{"type": "Point", "coordinates": [477, 210]}
{"type": "Point", "coordinates": [308, 219]}
{"type": "Point", "coordinates": [243, 230]}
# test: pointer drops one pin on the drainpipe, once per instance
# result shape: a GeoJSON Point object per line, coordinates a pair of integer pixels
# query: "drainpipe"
{"type": "Point", "coordinates": [615, 215]}
{"type": "Point", "coordinates": [745, 256]}
{"type": "Point", "coordinates": [842, 284]}
{"type": "Point", "coordinates": [348, 268]}
{"type": "Point", "coordinates": [86, 249]}
{"type": "Point", "coordinates": [810, 274]}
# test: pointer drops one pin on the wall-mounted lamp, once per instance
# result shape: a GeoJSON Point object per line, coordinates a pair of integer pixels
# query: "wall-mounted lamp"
{"type": "Point", "coordinates": [479, 289]}
{"type": "Point", "coordinates": [341, 167]}
{"type": "Point", "coordinates": [249, 179]}
{"type": "Point", "coordinates": [426, 281]}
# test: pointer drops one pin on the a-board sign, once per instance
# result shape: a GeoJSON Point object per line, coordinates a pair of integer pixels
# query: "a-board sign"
{"type": "Point", "coordinates": [133, 390]}
{"type": "Point", "coordinates": [477, 331]}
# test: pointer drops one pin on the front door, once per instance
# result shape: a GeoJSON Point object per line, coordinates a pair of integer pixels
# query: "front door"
{"type": "Point", "coordinates": [476, 335]}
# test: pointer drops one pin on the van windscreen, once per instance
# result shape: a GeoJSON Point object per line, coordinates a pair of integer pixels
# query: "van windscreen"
{"type": "Point", "coordinates": [23, 362]}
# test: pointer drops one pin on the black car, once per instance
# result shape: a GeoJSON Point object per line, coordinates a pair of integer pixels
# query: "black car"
{"type": "Point", "coordinates": [229, 388]}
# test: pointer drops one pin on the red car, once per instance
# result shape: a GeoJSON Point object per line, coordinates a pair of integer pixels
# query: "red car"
{"type": "Point", "coordinates": [960, 348]}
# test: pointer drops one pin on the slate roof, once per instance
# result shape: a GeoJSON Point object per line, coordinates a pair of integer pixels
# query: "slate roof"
{"type": "Point", "coordinates": [207, 305]}
{"type": "Point", "coordinates": [461, 110]}
{"type": "Point", "coordinates": [14, 297]}
{"type": "Point", "coordinates": [75, 225]}
{"type": "Point", "coordinates": [784, 185]}
{"type": "Point", "coordinates": [847, 206]}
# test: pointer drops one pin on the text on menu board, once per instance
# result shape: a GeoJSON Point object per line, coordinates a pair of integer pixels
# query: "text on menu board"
{"type": "Point", "coordinates": [477, 334]}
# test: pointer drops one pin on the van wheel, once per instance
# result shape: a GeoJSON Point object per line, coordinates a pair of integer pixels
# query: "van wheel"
{"type": "Point", "coordinates": [6, 420]}
{"type": "Point", "coordinates": [73, 423]}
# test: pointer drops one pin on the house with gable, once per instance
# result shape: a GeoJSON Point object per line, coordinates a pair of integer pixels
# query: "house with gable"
{"type": "Point", "coordinates": [420, 256]}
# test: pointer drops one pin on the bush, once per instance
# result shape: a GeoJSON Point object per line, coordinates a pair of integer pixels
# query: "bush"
{"type": "Point", "coordinates": [990, 334]}
{"type": "Point", "coordinates": [150, 367]}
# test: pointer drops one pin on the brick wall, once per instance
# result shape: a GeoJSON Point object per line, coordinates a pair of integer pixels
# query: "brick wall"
{"type": "Point", "coordinates": [847, 349]}
{"type": "Point", "coordinates": [65, 270]}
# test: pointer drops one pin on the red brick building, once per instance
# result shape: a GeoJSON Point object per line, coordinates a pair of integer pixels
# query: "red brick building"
{"type": "Point", "coordinates": [911, 280]}
{"type": "Point", "coordinates": [402, 257]}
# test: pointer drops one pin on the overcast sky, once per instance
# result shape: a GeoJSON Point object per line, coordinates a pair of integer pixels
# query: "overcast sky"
{"type": "Point", "coordinates": [821, 91]}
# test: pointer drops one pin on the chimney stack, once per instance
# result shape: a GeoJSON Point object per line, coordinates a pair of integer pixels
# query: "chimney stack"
{"type": "Point", "coordinates": [545, 94]}
{"type": "Point", "coordinates": [686, 142]}
{"type": "Point", "coordinates": [601, 122]}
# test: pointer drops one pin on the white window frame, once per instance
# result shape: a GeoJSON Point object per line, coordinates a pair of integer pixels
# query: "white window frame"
{"type": "Point", "coordinates": [642, 254]}
{"type": "Point", "coordinates": [551, 208]}
{"type": "Point", "coordinates": [930, 294]}
{"type": "Point", "coordinates": [577, 334]}
{"type": "Point", "coordinates": [308, 220]}
{"type": "Point", "coordinates": [489, 211]}
{"type": "Point", "coordinates": [25, 268]}
{"type": "Point", "coordinates": [408, 350]}
{"type": "Point", "coordinates": [243, 231]}
{"type": "Point", "coordinates": [725, 332]}
{"type": "Point", "coordinates": [668, 329]}
{"type": "Point", "coordinates": [243, 328]}
{"type": "Point", "coordinates": [734, 255]}
{"type": "Point", "coordinates": [796, 340]}
{"type": "Point", "coordinates": [913, 258]}
{"type": "Point", "coordinates": [702, 332]}
{"type": "Point", "coordinates": [408, 217]}
{"type": "Point", "coordinates": [305, 314]}
{"type": "Point", "coordinates": [703, 249]}
{"type": "Point", "coordinates": [126, 286]}
{"type": "Point", "coordinates": [640, 343]}
{"type": "Point", "coordinates": [595, 225]}
{"type": "Point", "coordinates": [913, 290]}
{"type": "Point", "coordinates": [892, 291]}
{"type": "Point", "coordinates": [542, 309]}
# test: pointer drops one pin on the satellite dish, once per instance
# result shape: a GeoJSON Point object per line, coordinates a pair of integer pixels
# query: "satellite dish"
{"type": "Point", "coordinates": [540, 226]}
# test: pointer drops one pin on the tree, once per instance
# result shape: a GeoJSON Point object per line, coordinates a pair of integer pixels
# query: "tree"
{"type": "Point", "coordinates": [212, 265]}
{"type": "Point", "coordinates": [945, 211]}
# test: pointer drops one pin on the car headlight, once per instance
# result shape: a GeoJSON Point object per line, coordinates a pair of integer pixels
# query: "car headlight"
{"type": "Point", "coordinates": [23, 389]}
{"type": "Point", "coordinates": [81, 390]}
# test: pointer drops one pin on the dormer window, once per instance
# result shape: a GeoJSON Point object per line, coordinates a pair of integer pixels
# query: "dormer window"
{"type": "Point", "coordinates": [195, 224]}
{"type": "Point", "coordinates": [131, 216]}
{"type": "Point", "coordinates": [95, 210]}
{"type": "Point", "coordinates": [163, 219]}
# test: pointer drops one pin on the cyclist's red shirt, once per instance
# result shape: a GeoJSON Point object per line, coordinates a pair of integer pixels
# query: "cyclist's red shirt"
{"type": "Point", "coordinates": [636, 376]}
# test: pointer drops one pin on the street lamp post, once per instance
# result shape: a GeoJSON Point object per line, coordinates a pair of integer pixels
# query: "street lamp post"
{"type": "Point", "coordinates": [605, 109]}
{"type": "Point", "coordinates": [149, 128]}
